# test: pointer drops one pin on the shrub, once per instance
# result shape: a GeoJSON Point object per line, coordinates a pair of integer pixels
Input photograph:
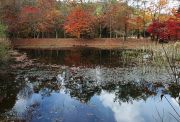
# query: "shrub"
{"type": "Point", "coordinates": [4, 44]}
{"type": "Point", "coordinates": [4, 50]}
{"type": "Point", "coordinates": [2, 31]}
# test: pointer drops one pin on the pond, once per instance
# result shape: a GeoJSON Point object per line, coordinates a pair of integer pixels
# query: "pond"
{"type": "Point", "coordinates": [88, 85]}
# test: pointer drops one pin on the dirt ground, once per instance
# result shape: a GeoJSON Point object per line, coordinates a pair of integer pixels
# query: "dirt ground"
{"type": "Point", "coordinates": [69, 43]}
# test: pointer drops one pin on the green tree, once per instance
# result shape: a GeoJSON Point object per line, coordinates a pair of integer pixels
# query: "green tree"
{"type": "Point", "coordinates": [2, 30]}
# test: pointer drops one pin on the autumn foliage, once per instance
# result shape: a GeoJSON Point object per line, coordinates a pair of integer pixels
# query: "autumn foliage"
{"type": "Point", "coordinates": [167, 30]}
{"type": "Point", "coordinates": [112, 19]}
{"type": "Point", "coordinates": [79, 22]}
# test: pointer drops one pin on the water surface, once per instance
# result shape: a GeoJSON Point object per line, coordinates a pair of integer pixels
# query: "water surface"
{"type": "Point", "coordinates": [88, 85]}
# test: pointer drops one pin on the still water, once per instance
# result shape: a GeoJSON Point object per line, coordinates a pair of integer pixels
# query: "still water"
{"type": "Point", "coordinates": [88, 85]}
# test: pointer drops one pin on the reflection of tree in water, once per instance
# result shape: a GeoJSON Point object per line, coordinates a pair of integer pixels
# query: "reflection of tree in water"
{"type": "Point", "coordinates": [87, 57]}
{"type": "Point", "coordinates": [84, 89]}
{"type": "Point", "coordinates": [124, 92]}
{"type": "Point", "coordinates": [174, 91]}
{"type": "Point", "coordinates": [46, 87]}
{"type": "Point", "coordinates": [9, 89]}
{"type": "Point", "coordinates": [79, 87]}
{"type": "Point", "coordinates": [133, 91]}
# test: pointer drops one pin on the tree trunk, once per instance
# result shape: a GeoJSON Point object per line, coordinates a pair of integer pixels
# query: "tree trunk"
{"type": "Point", "coordinates": [110, 28]}
{"type": "Point", "coordinates": [42, 34]}
{"type": "Point", "coordinates": [64, 34]}
{"type": "Point", "coordinates": [79, 35]}
{"type": "Point", "coordinates": [100, 29]}
{"type": "Point", "coordinates": [125, 30]}
{"type": "Point", "coordinates": [144, 29]}
{"type": "Point", "coordinates": [56, 34]}
{"type": "Point", "coordinates": [138, 34]}
{"type": "Point", "coordinates": [38, 35]}
{"type": "Point", "coordinates": [34, 35]}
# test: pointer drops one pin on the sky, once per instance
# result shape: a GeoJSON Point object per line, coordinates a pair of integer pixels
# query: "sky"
{"type": "Point", "coordinates": [171, 3]}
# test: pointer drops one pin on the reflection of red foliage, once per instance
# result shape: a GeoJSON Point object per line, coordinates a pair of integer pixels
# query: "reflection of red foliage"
{"type": "Point", "coordinates": [73, 59]}
{"type": "Point", "coordinates": [169, 29]}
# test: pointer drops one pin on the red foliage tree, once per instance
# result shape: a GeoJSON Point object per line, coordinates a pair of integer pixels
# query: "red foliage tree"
{"type": "Point", "coordinates": [28, 19]}
{"type": "Point", "coordinates": [173, 26]}
{"type": "Point", "coordinates": [30, 10]}
{"type": "Point", "coordinates": [78, 22]}
{"type": "Point", "coordinates": [40, 18]}
{"type": "Point", "coordinates": [166, 30]}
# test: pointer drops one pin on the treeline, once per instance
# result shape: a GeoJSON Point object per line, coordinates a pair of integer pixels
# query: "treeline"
{"type": "Point", "coordinates": [65, 19]}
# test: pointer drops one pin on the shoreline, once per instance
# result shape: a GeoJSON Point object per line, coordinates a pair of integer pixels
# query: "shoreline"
{"type": "Point", "coordinates": [68, 43]}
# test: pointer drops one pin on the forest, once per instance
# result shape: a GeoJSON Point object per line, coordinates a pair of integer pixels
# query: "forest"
{"type": "Point", "coordinates": [92, 19]}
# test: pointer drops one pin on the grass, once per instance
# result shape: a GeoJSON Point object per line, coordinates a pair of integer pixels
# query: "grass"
{"type": "Point", "coordinates": [166, 56]}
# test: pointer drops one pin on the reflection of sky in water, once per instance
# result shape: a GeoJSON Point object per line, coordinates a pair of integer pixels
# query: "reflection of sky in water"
{"type": "Point", "coordinates": [140, 111]}
{"type": "Point", "coordinates": [59, 106]}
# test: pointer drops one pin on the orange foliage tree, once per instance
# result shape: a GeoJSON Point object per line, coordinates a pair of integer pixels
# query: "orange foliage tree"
{"type": "Point", "coordinates": [79, 22]}
{"type": "Point", "coordinates": [40, 18]}
{"type": "Point", "coordinates": [50, 18]}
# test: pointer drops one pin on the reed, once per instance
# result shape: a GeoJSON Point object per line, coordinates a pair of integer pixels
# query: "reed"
{"type": "Point", "coordinates": [166, 56]}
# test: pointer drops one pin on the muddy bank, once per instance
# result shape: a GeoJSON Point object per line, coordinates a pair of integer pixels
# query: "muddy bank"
{"type": "Point", "coordinates": [69, 43]}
